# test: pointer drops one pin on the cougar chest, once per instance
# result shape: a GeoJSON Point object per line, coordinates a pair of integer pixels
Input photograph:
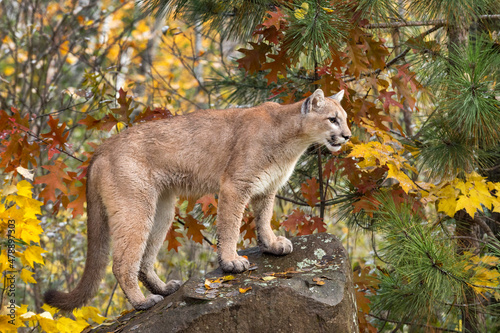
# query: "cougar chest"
{"type": "Point", "coordinates": [273, 177]}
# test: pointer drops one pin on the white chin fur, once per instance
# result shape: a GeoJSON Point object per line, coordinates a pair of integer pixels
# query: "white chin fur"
{"type": "Point", "coordinates": [332, 148]}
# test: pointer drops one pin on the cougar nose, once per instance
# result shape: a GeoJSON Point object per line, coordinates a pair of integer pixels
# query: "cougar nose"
{"type": "Point", "coordinates": [346, 137]}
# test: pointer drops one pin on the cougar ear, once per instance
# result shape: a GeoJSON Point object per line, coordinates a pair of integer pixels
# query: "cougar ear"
{"type": "Point", "coordinates": [313, 102]}
{"type": "Point", "coordinates": [338, 96]}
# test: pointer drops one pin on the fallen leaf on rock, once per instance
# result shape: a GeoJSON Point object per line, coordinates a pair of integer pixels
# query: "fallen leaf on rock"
{"type": "Point", "coordinates": [244, 290]}
{"type": "Point", "coordinates": [227, 278]}
{"type": "Point", "coordinates": [319, 281]}
{"type": "Point", "coordinates": [268, 278]}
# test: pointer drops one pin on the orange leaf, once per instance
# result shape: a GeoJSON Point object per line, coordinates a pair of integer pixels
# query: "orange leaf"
{"type": "Point", "coordinates": [248, 227]}
{"type": "Point", "coordinates": [152, 115]}
{"type": "Point", "coordinates": [53, 181]}
{"type": "Point", "coordinates": [172, 235]}
{"type": "Point", "coordinates": [56, 136]}
{"type": "Point", "coordinates": [310, 191]}
{"type": "Point", "coordinates": [208, 205]}
{"type": "Point", "coordinates": [254, 58]}
{"type": "Point", "coordinates": [194, 229]}
{"type": "Point", "coordinates": [244, 290]}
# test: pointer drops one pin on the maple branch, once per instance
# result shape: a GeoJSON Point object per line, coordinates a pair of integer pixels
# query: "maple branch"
{"type": "Point", "coordinates": [45, 142]}
{"type": "Point", "coordinates": [64, 109]}
{"type": "Point", "coordinates": [415, 324]}
{"type": "Point", "coordinates": [330, 202]}
{"type": "Point", "coordinates": [421, 23]}
{"type": "Point", "coordinates": [291, 200]}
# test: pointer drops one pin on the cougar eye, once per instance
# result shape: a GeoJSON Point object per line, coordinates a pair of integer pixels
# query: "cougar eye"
{"type": "Point", "coordinates": [333, 120]}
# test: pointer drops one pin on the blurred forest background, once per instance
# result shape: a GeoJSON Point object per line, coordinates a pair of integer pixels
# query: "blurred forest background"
{"type": "Point", "coordinates": [414, 196]}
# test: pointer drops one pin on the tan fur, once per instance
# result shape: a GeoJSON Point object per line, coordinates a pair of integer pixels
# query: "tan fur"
{"type": "Point", "coordinates": [244, 155]}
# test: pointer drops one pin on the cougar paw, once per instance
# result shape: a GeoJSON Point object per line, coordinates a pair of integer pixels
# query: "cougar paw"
{"type": "Point", "coordinates": [171, 287]}
{"type": "Point", "coordinates": [238, 265]}
{"type": "Point", "coordinates": [281, 246]}
{"type": "Point", "coordinates": [149, 302]}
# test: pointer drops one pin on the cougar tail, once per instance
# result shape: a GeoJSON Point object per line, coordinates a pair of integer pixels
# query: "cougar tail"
{"type": "Point", "coordinates": [98, 240]}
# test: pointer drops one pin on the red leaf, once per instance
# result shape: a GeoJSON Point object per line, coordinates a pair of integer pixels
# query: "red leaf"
{"type": "Point", "coordinates": [77, 203]}
{"type": "Point", "coordinates": [194, 229]}
{"type": "Point", "coordinates": [317, 223]}
{"type": "Point", "coordinates": [274, 19]}
{"type": "Point", "coordinates": [293, 220]}
{"type": "Point", "coordinates": [172, 236]}
{"type": "Point", "coordinates": [90, 122]}
{"type": "Point", "coordinates": [385, 96]}
{"type": "Point", "coordinates": [367, 203]}
{"type": "Point", "coordinates": [208, 205]}
{"type": "Point", "coordinates": [376, 52]}
{"type": "Point", "coordinates": [270, 34]}
{"type": "Point", "coordinates": [302, 223]}
{"type": "Point", "coordinates": [106, 123]}
{"type": "Point", "coordinates": [359, 62]}
{"type": "Point", "coordinates": [253, 59]}
{"type": "Point", "coordinates": [248, 227]}
{"type": "Point", "coordinates": [279, 64]}
{"type": "Point", "coordinates": [56, 136]}
{"type": "Point", "coordinates": [152, 115]}
{"type": "Point", "coordinates": [310, 191]}
{"type": "Point", "coordinates": [53, 181]}
{"type": "Point", "coordinates": [124, 110]}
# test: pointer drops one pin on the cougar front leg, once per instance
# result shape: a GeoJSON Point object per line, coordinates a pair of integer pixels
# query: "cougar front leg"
{"type": "Point", "coordinates": [232, 202]}
{"type": "Point", "coordinates": [268, 242]}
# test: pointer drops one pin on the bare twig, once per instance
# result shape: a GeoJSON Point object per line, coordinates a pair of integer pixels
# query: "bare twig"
{"type": "Point", "coordinates": [110, 299]}
{"type": "Point", "coordinates": [421, 23]}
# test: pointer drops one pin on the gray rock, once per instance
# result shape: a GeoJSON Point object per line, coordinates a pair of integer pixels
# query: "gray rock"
{"type": "Point", "coordinates": [309, 290]}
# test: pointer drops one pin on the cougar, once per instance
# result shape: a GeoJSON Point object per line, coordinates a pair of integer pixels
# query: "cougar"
{"type": "Point", "coordinates": [244, 155]}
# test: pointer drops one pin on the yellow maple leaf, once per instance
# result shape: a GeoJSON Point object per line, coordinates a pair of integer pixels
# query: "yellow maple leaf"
{"type": "Point", "coordinates": [52, 310]}
{"type": "Point", "coordinates": [88, 312]}
{"type": "Point", "coordinates": [469, 203]}
{"type": "Point", "coordinates": [66, 325]}
{"type": "Point", "coordinates": [24, 188]}
{"type": "Point", "coordinates": [47, 323]}
{"type": "Point", "coordinates": [447, 202]}
{"type": "Point", "coordinates": [404, 181]}
{"type": "Point", "coordinates": [26, 276]}
{"type": "Point", "coordinates": [32, 254]}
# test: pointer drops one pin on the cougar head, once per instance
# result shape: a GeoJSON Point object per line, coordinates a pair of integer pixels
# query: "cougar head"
{"type": "Point", "coordinates": [325, 119]}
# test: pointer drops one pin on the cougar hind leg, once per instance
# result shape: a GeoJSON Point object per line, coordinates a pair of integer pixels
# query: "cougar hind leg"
{"type": "Point", "coordinates": [130, 227]}
{"type": "Point", "coordinates": [165, 211]}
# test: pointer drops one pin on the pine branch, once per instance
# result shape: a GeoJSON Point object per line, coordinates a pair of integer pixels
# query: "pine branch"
{"type": "Point", "coordinates": [422, 23]}
{"type": "Point", "coordinates": [414, 324]}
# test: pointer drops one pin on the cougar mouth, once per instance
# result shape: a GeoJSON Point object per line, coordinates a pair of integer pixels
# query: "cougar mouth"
{"type": "Point", "coordinates": [333, 142]}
